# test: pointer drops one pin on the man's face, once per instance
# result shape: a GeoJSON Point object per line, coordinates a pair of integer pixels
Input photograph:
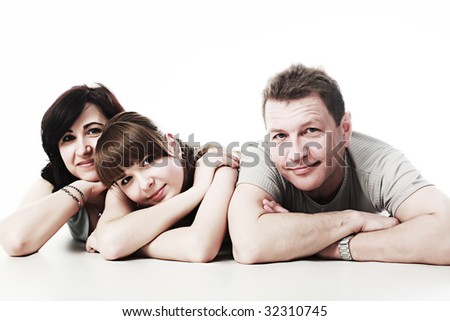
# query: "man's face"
{"type": "Point", "coordinates": [306, 145]}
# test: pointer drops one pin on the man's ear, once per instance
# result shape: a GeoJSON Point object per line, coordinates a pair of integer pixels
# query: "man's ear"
{"type": "Point", "coordinates": [173, 145]}
{"type": "Point", "coordinates": [346, 126]}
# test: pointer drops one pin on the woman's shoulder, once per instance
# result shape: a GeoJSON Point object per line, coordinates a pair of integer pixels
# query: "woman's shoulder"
{"type": "Point", "coordinates": [42, 184]}
{"type": "Point", "coordinates": [41, 187]}
{"type": "Point", "coordinates": [38, 189]}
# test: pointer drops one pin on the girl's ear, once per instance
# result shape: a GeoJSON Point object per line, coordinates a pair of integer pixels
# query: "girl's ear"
{"type": "Point", "coordinates": [346, 125]}
{"type": "Point", "coordinates": [173, 145]}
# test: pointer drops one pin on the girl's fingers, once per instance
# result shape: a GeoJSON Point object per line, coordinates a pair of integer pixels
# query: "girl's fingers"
{"type": "Point", "coordinates": [273, 207]}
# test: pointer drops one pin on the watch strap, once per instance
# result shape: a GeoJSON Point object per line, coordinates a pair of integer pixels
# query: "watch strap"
{"type": "Point", "coordinates": [344, 248]}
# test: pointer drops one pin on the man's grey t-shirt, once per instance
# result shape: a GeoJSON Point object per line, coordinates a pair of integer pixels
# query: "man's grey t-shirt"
{"type": "Point", "coordinates": [377, 178]}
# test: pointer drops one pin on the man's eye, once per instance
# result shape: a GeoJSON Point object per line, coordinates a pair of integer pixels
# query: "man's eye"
{"type": "Point", "coordinates": [312, 130]}
{"type": "Point", "coordinates": [279, 136]}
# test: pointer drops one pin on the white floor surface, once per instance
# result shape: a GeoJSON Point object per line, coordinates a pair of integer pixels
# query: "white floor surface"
{"type": "Point", "coordinates": [62, 270]}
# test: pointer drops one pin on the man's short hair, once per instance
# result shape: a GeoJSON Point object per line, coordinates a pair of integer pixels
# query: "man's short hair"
{"type": "Point", "coordinates": [298, 82]}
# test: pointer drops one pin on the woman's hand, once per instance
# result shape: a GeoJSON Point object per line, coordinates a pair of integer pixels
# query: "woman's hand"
{"type": "Point", "coordinates": [90, 189]}
{"type": "Point", "coordinates": [97, 188]}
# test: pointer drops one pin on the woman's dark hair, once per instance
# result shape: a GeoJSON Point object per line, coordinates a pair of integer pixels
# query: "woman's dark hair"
{"type": "Point", "coordinates": [60, 117]}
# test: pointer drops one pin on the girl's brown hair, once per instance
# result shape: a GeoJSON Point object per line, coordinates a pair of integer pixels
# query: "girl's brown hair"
{"type": "Point", "coordinates": [129, 138]}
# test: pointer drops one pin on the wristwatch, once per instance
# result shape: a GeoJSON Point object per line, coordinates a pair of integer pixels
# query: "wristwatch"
{"type": "Point", "coordinates": [344, 248]}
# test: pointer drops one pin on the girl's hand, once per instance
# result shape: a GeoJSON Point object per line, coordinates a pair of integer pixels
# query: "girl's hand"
{"type": "Point", "coordinates": [91, 243]}
{"type": "Point", "coordinates": [216, 157]}
{"type": "Point", "coordinates": [207, 165]}
{"type": "Point", "coordinates": [273, 207]}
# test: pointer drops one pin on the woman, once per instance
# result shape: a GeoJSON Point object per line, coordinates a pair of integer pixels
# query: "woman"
{"type": "Point", "coordinates": [69, 190]}
{"type": "Point", "coordinates": [165, 201]}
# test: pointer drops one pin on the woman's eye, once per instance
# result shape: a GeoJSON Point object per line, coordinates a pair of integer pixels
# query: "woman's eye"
{"type": "Point", "coordinates": [94, 131]}
{"type": "Point", "coordinates": [125, 180]}
{"type": "Point", "coordinates": [67, 138]}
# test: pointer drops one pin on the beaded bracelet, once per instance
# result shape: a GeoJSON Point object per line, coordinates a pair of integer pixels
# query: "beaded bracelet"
{"type": "Point", "coordinates": [81, 193]}
{"type": "Point", "coordinates": [73, 196]}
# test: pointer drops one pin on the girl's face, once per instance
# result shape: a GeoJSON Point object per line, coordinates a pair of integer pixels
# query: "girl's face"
{"type": "Point", "coordinates": [150, 183]}
{"type": "Point", "coordinates": [77, 145]}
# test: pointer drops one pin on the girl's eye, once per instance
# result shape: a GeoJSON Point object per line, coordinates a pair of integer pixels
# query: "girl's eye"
{"type": "Point", "coordinates": [125, 180]}
{"type": "Point", "coordinates": [147, 161]}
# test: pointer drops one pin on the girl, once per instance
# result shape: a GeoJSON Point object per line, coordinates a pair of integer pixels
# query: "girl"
{"type": "Point", "coordinates": [166, 200]}
{"type": "Point", "coordinates": [69, 190]}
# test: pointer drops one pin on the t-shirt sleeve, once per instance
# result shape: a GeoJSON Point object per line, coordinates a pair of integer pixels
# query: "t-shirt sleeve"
{"type": "Point", "coordinates": [399, 179]}
{"type": "Point", "coordinates": [257, 169]}
{"type": "Point", "coordinates": [79, 225]}
{"type": "Point", "coordinates": [385, 173]}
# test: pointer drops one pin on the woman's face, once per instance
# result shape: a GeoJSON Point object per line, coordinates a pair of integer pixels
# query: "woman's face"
{"type": "Point", "coordinates": [150, 183]}
{"type": "Point", "coordinates": [77, 145]}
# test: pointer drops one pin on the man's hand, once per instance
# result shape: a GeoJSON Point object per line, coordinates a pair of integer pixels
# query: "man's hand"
{"type": "Point", "coordinates": [370, 222]}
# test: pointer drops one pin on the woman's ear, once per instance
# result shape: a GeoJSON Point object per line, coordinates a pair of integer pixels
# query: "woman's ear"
{"type": "Point", "coordinates": [173, 145]}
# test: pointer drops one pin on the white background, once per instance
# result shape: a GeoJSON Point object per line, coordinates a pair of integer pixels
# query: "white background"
{"type": "Point", "coordinates": [200, 66]}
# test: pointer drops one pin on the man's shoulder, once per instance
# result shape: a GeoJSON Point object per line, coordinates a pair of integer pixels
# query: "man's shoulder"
{"type": "Point", "coordinates": [256, 168]}
{"type": "Point", "coordinates": [362, 141]}
{"type": "Point", "coordinates": [255, 153]}
{"type": "Point", "coordinates": [368, 151]}
{"type": "Point", "coordinates": [384, 173]}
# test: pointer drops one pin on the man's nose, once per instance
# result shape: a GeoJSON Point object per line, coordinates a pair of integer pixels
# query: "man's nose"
{"type": "Point", "coordinates": [296, 150]}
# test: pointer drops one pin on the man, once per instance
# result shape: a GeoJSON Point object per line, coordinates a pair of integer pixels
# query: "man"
{"type": "Point", "coordinates": [314, 187]}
